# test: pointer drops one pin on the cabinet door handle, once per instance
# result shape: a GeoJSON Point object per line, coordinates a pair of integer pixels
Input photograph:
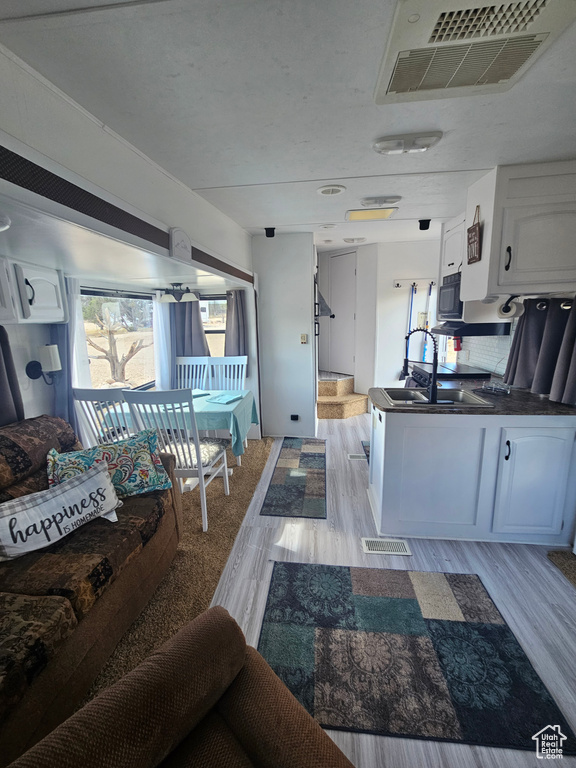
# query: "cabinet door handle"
{"type": "Point", "coordinates": [509, 450]}
{"type": "Point", "coordinates": [508, 258]}
{"type": "Point", "coordinates": [316, 328]}
{"type": "Point", "coordinates": [28, 284]}
{"type": "Point", "coordinates": [316, 309]}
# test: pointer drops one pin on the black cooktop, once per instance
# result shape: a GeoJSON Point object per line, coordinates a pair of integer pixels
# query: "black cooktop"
{"type": "Point", "coordinates": [454, 371]}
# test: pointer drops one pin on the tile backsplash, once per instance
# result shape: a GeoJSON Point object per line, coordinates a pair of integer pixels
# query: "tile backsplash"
{"type": "Point", "coordinates": [488, 352]}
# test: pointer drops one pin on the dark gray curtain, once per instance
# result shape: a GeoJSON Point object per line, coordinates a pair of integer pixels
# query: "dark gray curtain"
{"type": "Point", "coordinates": [11, 406]}
{"type": "Point", "coordinates": [236, 336]}
{"type": "Point", "coordinates": [543, 353]}
{"type": "Point", "coordinates": [187, 330]}
{"type": "Point", "coordinates": [63, 399]}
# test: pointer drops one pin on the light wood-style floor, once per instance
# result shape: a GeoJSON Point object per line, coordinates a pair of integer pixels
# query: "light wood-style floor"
{"type": "Point", "coordinates": [538, 603]}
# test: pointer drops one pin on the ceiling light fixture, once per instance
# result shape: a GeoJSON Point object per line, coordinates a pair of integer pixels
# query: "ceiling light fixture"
{"type": "Point", "coordinates": [4, 222]}
{"type": "Point", "coordinates": [379, 202]}
{"type": "Point", "coordinates": [177, 294]}
{"type": "Point", "coordinates": [329, 190]}
{"type": "Point", "coordinates": [374, 214]}
{"type": "Point", "coordinates": [407, 143]}
{"type": "Point", "coordinates": [354, 239]}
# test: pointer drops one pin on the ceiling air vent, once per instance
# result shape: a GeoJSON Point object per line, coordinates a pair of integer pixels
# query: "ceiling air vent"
{"type": "Point", "coordinates": [435, 51]}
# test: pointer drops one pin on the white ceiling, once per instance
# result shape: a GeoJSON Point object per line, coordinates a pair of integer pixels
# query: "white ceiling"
{"type": "Point", "coordinates": [256, 103]}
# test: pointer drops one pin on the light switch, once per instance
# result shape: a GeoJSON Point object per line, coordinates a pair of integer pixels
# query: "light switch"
{"type": "Point", "coordinates": [303, 338]}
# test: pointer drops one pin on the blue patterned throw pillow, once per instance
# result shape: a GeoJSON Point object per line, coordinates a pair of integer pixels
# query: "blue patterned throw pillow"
{"type": "Point", "coordinates": [133, 464]}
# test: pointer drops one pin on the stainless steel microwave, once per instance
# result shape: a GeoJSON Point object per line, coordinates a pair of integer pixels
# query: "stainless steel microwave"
{"type": "Point", "coordinates": [449, 304]}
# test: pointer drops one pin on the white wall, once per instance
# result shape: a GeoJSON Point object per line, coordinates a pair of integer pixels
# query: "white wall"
{"type": "Point", "coordinates": [72, 143]}
{"type": "Point", "coordinates": [487, 352]}
{"type": "Point", "coordinates": [285, 269]}
{"type": "Point", "coordinates": [398, 261]}
{"type": "Point", "coordinates": [37, 396]}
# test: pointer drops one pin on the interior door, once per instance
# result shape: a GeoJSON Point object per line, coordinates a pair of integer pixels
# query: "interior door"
{"type": "Point", "coordinates": [343, 305]}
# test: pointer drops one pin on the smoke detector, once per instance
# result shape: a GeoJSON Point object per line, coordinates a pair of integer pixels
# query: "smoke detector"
{"type": "Point", "coordinates": [459, 48]}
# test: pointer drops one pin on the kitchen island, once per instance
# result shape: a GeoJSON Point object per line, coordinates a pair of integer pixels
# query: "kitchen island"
{"type": "Point", "coordinates": [505, 473]}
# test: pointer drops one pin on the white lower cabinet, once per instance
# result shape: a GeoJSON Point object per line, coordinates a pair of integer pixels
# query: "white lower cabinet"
{"type": "Point", "coordinates": [532, 480]}
{"type": "Point", "coordinates": [447, 476]}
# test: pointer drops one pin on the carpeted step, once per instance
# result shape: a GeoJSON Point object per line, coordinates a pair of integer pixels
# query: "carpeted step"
{"type": "Point", "coordinates": [342, 406]}
{"type": "Point", "coordinates": [336, 387]}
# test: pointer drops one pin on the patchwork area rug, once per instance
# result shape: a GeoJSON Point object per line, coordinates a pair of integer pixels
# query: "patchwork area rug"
{"type": "Point", "coordinates": [366, 447]}
{"type": "Point", "coordinates": [298, 485]}
{"type": "Point", "coordinates": [404, 653]}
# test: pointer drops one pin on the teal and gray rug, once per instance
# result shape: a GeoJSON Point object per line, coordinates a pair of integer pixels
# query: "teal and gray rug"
{"type": "Point", "coordinates": [298, 485]}
{"type": "Point", "coordinates": [404, 653]}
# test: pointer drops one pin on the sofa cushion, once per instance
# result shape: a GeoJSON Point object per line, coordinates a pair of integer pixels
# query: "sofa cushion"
{"type": "Point", "coordinates": [31, 630]}
{"type": "Point", "coordinates": [81, 566]}
{"type": "Point", "coordinates": [23, 449]}
{"type": "Point", "coordinates": [33, 522]}
{"type": "Point", "coordinates": [134, 464]}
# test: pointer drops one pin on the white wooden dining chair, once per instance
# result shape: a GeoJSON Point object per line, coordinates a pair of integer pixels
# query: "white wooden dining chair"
{"type": "Point", "coordinates": [101, 415]}
{"type": "Point", "coordinates": [198, 459]}
{"type": "Point", "coordinates": [191, 372]}
{"type": "Point", "coordinates": [227, 372]}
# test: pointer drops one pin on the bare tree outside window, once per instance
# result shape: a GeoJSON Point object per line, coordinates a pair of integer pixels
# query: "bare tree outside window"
{"type": "Point", "coordinates": [117, 332]}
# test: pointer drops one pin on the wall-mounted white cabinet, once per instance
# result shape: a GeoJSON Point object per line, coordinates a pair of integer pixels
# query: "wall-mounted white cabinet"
{"type": "Point", "coordinates": [448, 477]}
{"type": "Point", "coordinates": [7, 309]}
{"type": "Point", "coordinates": [453, 255]}
{"type": "Point", "coordinates": [528, 230]}
{"type": "Point", "coordinates": [31, 294]}
{"type": "Point", "coordinates": [453, 246]}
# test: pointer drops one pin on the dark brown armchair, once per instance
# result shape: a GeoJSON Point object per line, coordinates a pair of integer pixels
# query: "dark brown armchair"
{"type": "Point", "coordinates": [203, 699]}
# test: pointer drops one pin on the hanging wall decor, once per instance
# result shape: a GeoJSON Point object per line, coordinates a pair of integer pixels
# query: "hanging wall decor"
{"type": "Point", "coordinates": [473, 251]}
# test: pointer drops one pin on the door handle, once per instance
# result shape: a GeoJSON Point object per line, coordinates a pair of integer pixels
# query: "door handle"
{"type": "Point", "coordinates": [509, 450]}
{"type": "Point", "coordinates": [316, 328]}
{"type": "Point", "coordinates": [316, 309]}
{"type": "Point", "coordinates": [28, 284]}
{"type": "Point", "coordinates": [508, 258]}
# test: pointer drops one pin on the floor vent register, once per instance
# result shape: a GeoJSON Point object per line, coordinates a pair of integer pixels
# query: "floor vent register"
{"type": "Point", "coordinates": [385, 546]}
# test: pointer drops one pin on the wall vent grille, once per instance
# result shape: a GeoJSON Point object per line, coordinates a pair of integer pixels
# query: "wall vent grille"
{"type": "Point", "coordinates": [385, 546]}
{"type": "Point", "coordinates": [468, 23]}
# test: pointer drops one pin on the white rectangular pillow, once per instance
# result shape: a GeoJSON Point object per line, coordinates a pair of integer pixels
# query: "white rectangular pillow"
{"type": "Point", "coordinates": [39, 519]}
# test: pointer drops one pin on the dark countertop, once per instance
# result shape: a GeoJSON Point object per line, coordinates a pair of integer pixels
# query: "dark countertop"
{"type": "Point", "coordinates": [454, 370]}
{"type": "Point", "coordinates": [520, 402]}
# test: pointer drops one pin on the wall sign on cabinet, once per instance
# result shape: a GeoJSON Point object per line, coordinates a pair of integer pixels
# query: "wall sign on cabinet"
{"type": "Point", "coordinates": [473, 239]}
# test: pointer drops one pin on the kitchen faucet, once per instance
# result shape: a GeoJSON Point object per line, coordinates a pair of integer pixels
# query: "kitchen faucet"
{"type": "Point", "coordinates": [432, 388]}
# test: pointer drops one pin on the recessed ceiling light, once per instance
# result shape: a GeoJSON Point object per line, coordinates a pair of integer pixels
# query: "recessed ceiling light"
{"type": "Point", "coordinates": [406, 143]}
{"type": "Point", "coordinates": [379, 202]}
{"type": "Point", "coordinates": [354, 239]}
{"type": "Point", "coordinates": [329, 190]}
{"type": "Point", "coordinates": [4, 222]}
{"type": "Point", "coordinates": [373, 214]}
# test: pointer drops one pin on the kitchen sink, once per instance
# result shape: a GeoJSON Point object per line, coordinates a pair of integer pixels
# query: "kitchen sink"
{"type": "Point", "coordinates": [398, 397]}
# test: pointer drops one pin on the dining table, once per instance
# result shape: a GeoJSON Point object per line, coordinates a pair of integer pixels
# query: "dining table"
{"type": "Point", "coordinates": [231, 410]}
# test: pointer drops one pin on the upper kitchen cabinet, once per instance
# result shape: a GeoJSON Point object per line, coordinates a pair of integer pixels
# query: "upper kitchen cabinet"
{"type": "Point", "coordinates": [35, 294]}
{"type": "Point", "coordinates": [453, 246]}
{"type": "Point", "coordinates": [528, 231]}
{"type": "Point", "coordinates": [7, 310]}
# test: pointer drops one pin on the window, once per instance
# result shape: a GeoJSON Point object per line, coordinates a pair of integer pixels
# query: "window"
{"type": "Point", "coordinates": [213, 314]}
{"type": "Point", "coordinates": [119, 339]}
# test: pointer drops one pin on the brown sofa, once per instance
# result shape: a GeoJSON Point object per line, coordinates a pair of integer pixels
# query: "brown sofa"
{"type": "Point", "coordinates": [64, 608]}
{"type": "Point", "coordinates": [203, 699]}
